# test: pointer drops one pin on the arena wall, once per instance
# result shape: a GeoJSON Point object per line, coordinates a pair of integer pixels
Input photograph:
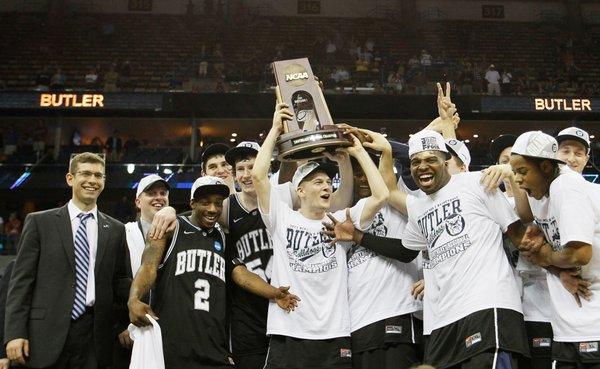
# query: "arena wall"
{"type": "Point", "coordinates": [511, 11]}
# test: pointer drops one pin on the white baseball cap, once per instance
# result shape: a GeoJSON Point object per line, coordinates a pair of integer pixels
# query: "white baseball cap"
{"type": "Point", "coordinates": [574, 133]}
{"type": "Point", "coordinates": [209, 185]}
{"type": "Point", "coordinates": [427, 140]}
{"type": "Point", "coordinates": [305, 170]}
{"type": "Point", "coordinates": [461, 150]}
{"type": "Point", "coordinates": [242, 149]}
{"type": "Point", "coordinates": [536, 144]}
{"type": "Point", "coordinates": [148, 181]}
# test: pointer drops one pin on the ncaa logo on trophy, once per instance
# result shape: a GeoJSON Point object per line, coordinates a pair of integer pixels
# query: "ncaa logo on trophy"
{"type": "Point", "coordinates": [311, 131]}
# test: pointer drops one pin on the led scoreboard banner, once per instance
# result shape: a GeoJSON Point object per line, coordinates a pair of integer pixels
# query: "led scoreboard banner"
{"type": "Point", "coordinates": [534, 104]}
{"type": "Point", "coordinates": [81, 101]}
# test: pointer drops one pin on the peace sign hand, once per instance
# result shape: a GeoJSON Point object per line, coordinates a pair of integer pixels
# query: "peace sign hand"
{"type": "Point", "coordinates": [342, 231]}
{"type": "Point", "coordinates": [446, 108]}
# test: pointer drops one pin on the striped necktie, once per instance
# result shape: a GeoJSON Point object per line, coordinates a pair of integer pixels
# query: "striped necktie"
{"type": "Point", "coordinates": [82, 262]}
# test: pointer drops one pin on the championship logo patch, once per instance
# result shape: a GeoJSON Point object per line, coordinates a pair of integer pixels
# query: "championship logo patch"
{"type": "Point", "coordinates": [218, 246]}
{"type": "Point", "coordinates": [542, 342]}
{"type": "Point", "coordinates": [471, 340]}
{"type": "Point", "coordinates": [345, 353]}
{"type": "Point", "coordinates": [587, 347]}
{"type": "Point", "coordinates": [393, 329]}
{"type": "Point", "coordinates": [455, 224]}
{"type": "Point", "coordinates": [429, 143]}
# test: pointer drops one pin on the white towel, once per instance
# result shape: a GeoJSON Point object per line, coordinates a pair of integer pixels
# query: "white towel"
{"type": "Point", "coordinates": [136, 245]}
{"type": "Point", "coordinates": [147, 346]}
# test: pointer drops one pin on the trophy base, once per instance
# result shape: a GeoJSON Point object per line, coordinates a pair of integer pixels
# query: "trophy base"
{"type": "Point", "coordinates": [310, 144]}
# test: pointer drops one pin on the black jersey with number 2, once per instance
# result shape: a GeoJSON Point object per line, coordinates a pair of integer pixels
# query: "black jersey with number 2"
{"type": "Point", "coordinates": [189, 298]}
{"type": "Point", "coordinates": [249, 243]}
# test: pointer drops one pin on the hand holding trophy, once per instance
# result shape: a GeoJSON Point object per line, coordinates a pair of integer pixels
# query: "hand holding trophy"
{"type": "Point", "coordinates": [311, 131]}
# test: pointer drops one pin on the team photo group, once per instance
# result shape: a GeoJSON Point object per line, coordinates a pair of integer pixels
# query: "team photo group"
{"type": "Point", "coordinates": [333, 262]}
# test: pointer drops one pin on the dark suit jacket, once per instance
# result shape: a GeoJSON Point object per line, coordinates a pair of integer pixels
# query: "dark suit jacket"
{"type": "Point", "coordinates": [3, 292]}
{"type": "Point", "coordinates": [42, 288]}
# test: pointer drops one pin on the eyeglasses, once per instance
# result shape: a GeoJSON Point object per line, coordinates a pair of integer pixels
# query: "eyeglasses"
{"type": "Point", "coordinates": [87, 174]}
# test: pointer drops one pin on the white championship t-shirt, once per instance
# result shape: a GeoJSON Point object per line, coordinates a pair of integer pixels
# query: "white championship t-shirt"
{"type": "Point", "coordinates": [315, 271]}
{"type": "Point", "coordinates": [379, 287]}
{"type": "Point", "coordinates": [460, 227]}
{"type": "Point", "coordinates": [572, 213]}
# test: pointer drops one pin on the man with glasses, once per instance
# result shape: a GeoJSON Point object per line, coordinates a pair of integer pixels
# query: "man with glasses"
{"type": "Point", "coordinates": [71, 267]}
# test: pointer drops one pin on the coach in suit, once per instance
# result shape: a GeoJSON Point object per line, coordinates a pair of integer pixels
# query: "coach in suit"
{"type": "Point", "coordinates": [70, 269]}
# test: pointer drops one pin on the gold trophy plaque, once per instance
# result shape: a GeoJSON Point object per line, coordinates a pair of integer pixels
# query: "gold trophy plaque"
{"type": "Point", "coordinates": [312, 131]}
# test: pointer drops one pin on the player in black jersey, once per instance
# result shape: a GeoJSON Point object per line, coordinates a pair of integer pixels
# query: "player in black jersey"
{"type": "Point", "coordinates": [190, 274]}
{"type": "Point", "coordinates": [249, 244]}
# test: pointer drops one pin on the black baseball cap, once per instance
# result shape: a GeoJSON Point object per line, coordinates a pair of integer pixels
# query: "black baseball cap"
{"type": "Point", "coordinates": [500, 143]}
{"type": "Point", "coordinates": [244, 148]}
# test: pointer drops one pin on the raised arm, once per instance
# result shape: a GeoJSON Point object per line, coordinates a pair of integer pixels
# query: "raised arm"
{"type": "Point", "coordinates": [342, 197]}
{"type": "Point", "coordinates": [379, 192]}
{"type": "Point", "coordinates": [260, 171]}
{"type": "Point", "coordinates": [286, 171]}
{"type": "Point", "coordinates": [376, 141]}
{"type": "Point", "coordinates": [447, 122]}
{"type": "Point", "coordinates": [144, 280]}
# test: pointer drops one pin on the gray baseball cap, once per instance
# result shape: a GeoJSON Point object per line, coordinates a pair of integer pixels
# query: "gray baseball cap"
{"type": "Point", "coordinates": [209, 185]}
{"type": "Point", "coordinates": [459, 149]}
{"type": "Point", "coordinates": [574, 133]}
{"type": "Point", "coordinates": [305, 170]}
{"type": "Point", "coordinates": [148, 181]}
{"type": "Point", "coordinates": [536, 144]}
{"type": "Point", "coordinates": [427, 140]}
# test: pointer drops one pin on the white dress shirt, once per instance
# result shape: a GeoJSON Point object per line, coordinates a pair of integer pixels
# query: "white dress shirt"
{"type": "Point", "coordinates": [91, 226]}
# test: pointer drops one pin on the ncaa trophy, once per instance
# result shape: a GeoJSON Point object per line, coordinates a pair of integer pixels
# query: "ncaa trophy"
{"type": "Point", "coordinates": [311, 131]}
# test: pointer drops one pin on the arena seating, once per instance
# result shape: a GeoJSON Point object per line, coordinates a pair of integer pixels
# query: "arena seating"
{"type": "Point", "coordinates": [159, 46]}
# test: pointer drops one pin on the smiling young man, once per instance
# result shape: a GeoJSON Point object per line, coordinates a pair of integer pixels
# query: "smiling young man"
{"type": "Point", "coordinates": [574, 148]}
{"type": "Point", "coordinates": [567, 210]}
{"type": "Point", "coordinates": [215, 165]}
{"type": "Point", "coordinates": [317, 334]}
{"type": "Point", "coordinates": [188, 270]}
{"type": "Point", "coordinates": [70, 269]}
{"type": "Point", "coordinates": [151, 196]}
{"type": "Point", "coordinates": [474, 317]}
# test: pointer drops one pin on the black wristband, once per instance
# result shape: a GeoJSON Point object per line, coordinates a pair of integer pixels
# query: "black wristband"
{"type": "Point", "coordinates": [389, 247]}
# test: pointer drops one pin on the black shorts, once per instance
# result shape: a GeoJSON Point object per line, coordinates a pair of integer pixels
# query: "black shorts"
{"type": "Point", "coordinates": [539, 337]}
{"type": "Point", "coordinates": [393, 355]}
{"type": "Point", "coordinates": [488, 360]}
{"type": "Point", "coordinates": [474, 334]}
{"type": "Point", "coordinates": [576, 352]}
{"type": "Point", "coordinates": [566, 365]}
{"type": "Point", "coordinates": [296, 353]}
{"type": "Point", "coordinates": [250, 361]}
{"type": "Point", "coordinates": [398, 329]}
